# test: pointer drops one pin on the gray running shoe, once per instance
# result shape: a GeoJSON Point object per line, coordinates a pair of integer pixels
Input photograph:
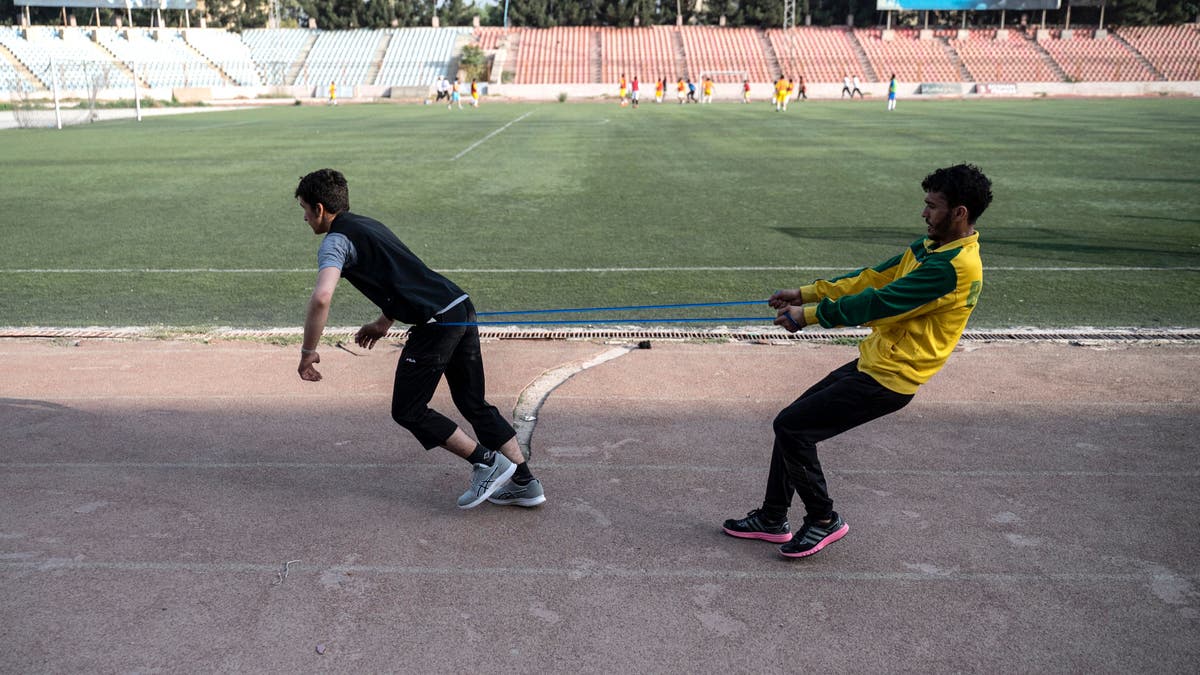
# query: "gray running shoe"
{"type": "Point", "coordinates": [485, 480]}
{"type": "Point", "coordinates": [530, 494]}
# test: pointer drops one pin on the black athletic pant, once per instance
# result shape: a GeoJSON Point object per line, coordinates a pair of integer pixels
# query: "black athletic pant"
{"type": "Point", "coordinates": [843, 400]}
{"type": "Point", "coordinates": [431, 351]}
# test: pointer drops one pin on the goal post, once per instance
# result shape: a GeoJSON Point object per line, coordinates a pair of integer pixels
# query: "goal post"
{"type": "Point", "coordinates": [60, 92]}
{"type": "Point", "coordinates": [726, 77]}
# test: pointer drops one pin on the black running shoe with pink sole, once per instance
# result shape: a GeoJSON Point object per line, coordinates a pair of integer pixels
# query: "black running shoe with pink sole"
{"type": "Point", "coordinates": [757, 525]}
{"type": "Point", "coordinates": [813, 537]}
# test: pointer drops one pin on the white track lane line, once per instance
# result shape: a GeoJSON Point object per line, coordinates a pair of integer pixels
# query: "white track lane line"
{"type": "Point", "coordinates": [556, 270]}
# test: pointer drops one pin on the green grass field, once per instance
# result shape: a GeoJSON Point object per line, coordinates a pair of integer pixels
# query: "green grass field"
{"type": "Point", "coordinates": [189, 220]}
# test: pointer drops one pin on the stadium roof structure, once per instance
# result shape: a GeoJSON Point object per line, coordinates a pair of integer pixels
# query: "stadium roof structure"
{"type": "Point", "coordinates": [110, 4]}
{"type": "Point", "coordinates": [964, 5]}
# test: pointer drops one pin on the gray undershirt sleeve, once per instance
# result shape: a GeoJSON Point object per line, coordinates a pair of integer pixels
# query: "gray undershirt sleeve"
{"type": "Point", "coordinates": [336, 251]}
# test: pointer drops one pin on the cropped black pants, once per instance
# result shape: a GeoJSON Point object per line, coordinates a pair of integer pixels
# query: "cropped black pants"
{"type": "Point", "coordinates": [843, 400]}
{"type": "Point", "coordinates": [434, 350]}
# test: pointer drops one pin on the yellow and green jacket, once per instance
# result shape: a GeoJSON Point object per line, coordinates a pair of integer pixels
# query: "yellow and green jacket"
{"type": "Point", "coordinates": [916, 304]}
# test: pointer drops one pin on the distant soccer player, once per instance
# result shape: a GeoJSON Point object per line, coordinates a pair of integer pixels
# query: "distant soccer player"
{"type": "Point", "coordinates": [787, 93]}
{"type": "Point", "coordinates": [474, 94]}
{"type": "Point", "coordinates": [892, 93]}
{"type": "Point", "coordinates": [621, 87]}
{"type": "Point", "coordinates": [856, 90]}
{"type": "Point", "coordinates": [801, 89]}
{"type": "Point", "coordinates": [780, 88]}
{"type": "Point", "coordinates": [633, 91]}
{"type": "Point", "coordinates": [846, 90]}
{"type": "Point", "coordinates": [917, 305]}
{"type": "Point", "coordinates": [333, 93]}
{"type": "Point", "coordinates": [681, 90]}
{"type": "Point", "coordinates": [382, 268]}
{"type": "Point", "coordinates": [455, 95]}
{"type": "Point", "coordinates": [659, 88]}
{"type": "Point", "coordinates": [745, 91]}
{"type": "Point", "coordinates": [707, 95]}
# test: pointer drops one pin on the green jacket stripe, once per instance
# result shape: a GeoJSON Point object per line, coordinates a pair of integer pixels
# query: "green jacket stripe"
{"type": "Point", "coordinates": [933, 279]}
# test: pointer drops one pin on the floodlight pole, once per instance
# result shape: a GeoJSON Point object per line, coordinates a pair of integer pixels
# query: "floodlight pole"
{"type": "Point", "coordinates": [505, 14]}
{"type": "Point", "coordinates": [54, 85]}
{"type": "Point", "coordinates": [137, 95]}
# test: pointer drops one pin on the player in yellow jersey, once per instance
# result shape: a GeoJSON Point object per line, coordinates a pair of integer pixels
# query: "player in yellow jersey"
{"type": "Point", "coordinates": [917, 305]}
{"type": "Point", "coordinates": [621, 90]}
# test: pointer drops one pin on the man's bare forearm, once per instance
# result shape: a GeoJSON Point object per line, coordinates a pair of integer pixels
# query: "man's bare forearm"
{"type": "Point", "coordinates": [314, 322]}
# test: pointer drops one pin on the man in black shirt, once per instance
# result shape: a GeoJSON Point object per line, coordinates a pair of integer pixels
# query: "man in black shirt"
{"type": "Point", "coordinates": [383, 269]}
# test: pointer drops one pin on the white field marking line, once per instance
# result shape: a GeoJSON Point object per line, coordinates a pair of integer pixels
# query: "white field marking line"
{"type": "Point", "coordinates": [533, 396]}
{"type": "Point", "coordinates": [211, 397]}
{"type": "Point", "coordinates": [584, 466]}
{"type": "Point", "coordinates": [479, 142]}
{"type": "Point", "coordinates": [386, 396]}
{"type": "Point", "coordinates": [55, 564]}
{"type": "Point", "coordinates": [555, 270]}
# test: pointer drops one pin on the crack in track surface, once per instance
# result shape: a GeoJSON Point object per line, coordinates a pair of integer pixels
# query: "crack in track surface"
{"type": "Point", "coordinates": [533, 396]}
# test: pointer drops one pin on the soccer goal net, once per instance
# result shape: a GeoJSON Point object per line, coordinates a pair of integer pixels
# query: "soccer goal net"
{"type": "Point", "coordinates": [58, 94]}
{"type": "Point", "coordinates": [725, 76]}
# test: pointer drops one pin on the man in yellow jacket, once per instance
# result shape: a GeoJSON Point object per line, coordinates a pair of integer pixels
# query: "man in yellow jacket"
{"type": "Point", "coordinates": [917, 306]}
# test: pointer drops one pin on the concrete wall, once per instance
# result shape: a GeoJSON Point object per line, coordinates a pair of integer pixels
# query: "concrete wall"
{"type": "Point", "coordinates": [760, 91]}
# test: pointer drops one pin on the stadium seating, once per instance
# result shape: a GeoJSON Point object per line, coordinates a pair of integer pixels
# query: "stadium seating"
{"type": "Point", "coordinates": [584, 55]}
{"type": "Point", "coordinates": [1015, 59]}
{"type": "Point", "coordinates": [1174, 50]}
{"type": "Point", "coordinates": [227, 51]}
{"type": "Point", "coordinates": [1086, 59]}
{"type": "Point", "coordinates": [556, 55]}
{"type": "Point", "coordinates": [646, 52]}
{"type": "Point", "coordinates": [277, 51]}
{"type": "Point", "coordinates": [710, 48]}
{"type": "Point", "coordinates": [819, 54]}
{"type": "Point", "coordinates": [162, 61]}
{"type": "Point", "coordinates": [488, 38]}
{"type": "Point", "coordinates": [80, 63]}
{"type": "Point", "coordinates": [342, 57]}
{"type": "Point", "coordinates": [418, 56]}
{"type": "Point", "coordinates": [910, 58]}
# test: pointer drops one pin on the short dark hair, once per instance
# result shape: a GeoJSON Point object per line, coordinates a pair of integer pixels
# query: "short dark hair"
{"type": "Point", "coordinates": [325, 186]}
{"type": "Point", "coordinates": [962, 185]}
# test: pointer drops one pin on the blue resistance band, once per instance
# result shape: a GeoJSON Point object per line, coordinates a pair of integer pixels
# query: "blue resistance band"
{"type": "Point", "coordinates": [589, 321]}
{"type": "Point", "coordinates": [620, 309]}
{"type": "Point", "coordinates": [609, 309]}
